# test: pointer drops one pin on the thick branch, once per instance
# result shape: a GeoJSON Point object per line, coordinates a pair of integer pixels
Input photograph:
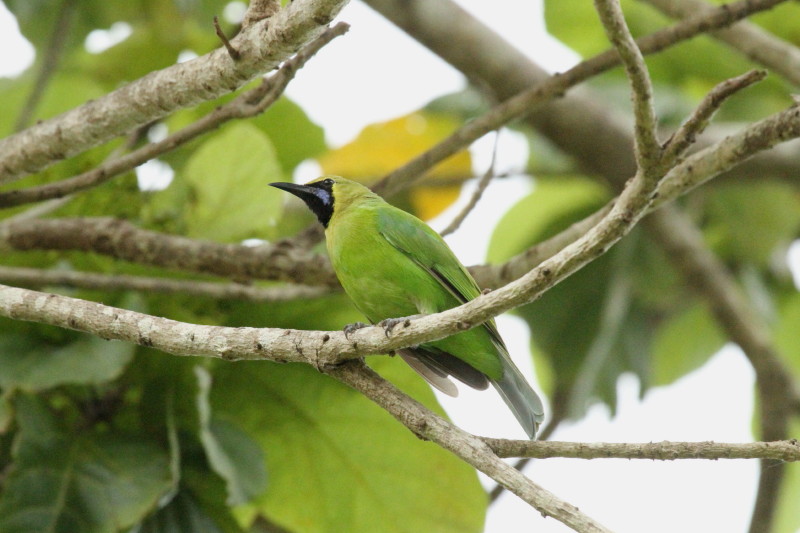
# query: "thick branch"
{"type": "Point", "coordinates": [785, 450]}
{"type": "Point", "coordinates": [262, 46]}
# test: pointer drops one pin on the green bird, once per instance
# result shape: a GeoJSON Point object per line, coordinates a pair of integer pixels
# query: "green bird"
{"type": "Point", "coordinates": [392, 265]}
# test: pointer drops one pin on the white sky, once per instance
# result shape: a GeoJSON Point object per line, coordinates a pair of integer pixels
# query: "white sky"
{"type": "Point", "coordinates": [353, 82]}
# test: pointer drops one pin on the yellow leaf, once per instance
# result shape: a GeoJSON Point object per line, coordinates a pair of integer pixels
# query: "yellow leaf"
{"type": "Point", "coordinates": [382, 147]}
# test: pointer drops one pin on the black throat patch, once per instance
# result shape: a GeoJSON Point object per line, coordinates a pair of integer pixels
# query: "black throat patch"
{"type": "Point", "coordinates": [320, 200]}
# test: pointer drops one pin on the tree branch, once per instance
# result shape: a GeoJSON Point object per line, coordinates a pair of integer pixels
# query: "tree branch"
{"type": "Point", "coordinates": [36, 277]}
{"type": "Point", "coordinates": [777, 390]}
{"type": "Point", "coordinates": [471, 449]}
{"type": "Point", "coordinates": [566, 122]}
{"type": "Point", "coordinates": [249, 104]}
{"type": "Point", "coordinates": [685, 136]}
{"type": "Point", "coordinates": [648, 149]}
{"type": "Point", "coordinates": [123, 240]}
{"type": "Point", "coordinates": [263, 46]}
{"type": "Point", "coordinates": [785, 450]}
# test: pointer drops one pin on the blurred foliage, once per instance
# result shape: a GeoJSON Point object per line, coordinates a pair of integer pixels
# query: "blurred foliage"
{"type": "Point", "coordinates": [104, 436]}
{"type": "Point", "coordinates": [381, 148]}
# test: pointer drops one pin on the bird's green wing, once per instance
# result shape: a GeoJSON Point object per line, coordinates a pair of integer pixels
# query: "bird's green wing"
{"type": "Point", "coordinates": [426, 248]}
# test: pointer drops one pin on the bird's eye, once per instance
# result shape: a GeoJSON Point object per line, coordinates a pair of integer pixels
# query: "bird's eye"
{"type": "Point", "coordinates": [328, 182]}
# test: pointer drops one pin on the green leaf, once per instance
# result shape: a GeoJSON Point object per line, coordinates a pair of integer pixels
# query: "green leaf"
{"type": "Point", "coordinates": [229, 176]}
{"type": "Point", "coordinates": [285, 122]}
{"type": "Point", "coordinates": [748, 221]}
{"type": "Point", "coordinates": [683, 343]}
{"type": "Point", "coordinates": [28, 363]}
{"type": "Point", "coordinates": [337, 462]}
{"type": "Point", "coordinates": [590, 328]}
{"type": "Point", "coordinates": [787, 332]}
{"type": "Point", "coordinates": [230, 451]}
{"type": "Point", "coordinates": [787, 519]}
{"type": "Point", "coordinates": [552, 205]}
{"type": "Point", "coordinates": [182, 515]}
{"type": "Point", "coordinates": [87, 482]}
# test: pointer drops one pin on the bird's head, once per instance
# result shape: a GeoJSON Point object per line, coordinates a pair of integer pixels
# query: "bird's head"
{"type": "Point", "coordinates": [326, 194]}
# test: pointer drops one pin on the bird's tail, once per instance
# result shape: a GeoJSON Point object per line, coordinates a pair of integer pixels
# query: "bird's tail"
{"type": "Point", "coordinates": [520, 397]}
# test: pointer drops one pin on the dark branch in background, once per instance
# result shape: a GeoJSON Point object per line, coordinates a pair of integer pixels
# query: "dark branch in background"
{"type": "Point", "coordinates": [36, 277]}
{"type": "Point", "coordinates": [262, 46]}
{"type": "Point", "coordinates": [49, 63]}
{"type": "Point", "coordinates": [248, 104]}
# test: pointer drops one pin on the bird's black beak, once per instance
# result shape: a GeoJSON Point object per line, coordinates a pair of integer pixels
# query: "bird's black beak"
{"type": "Point", "coordinates": [318, 199]}
{"type": "Point", "coordinates": [301, 191]}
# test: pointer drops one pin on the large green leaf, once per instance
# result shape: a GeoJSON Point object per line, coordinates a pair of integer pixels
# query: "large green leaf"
{"type": "Point", "coordinates": [285, 122]}
{"type": "Point", "coordinates": [28, 363]}
{"type": "Point", "coordinates": [228, 177]}
{"type": "Point", "coordinates": [88, 482]}
{"type": "Point", "coordinates": [747, 222]}
{"type": "Point", "coordinates": [683, 343]}
{"type": "Point", "coordinates": [230, 451]}
{"type": "Point", "coordinates": [337, 462]}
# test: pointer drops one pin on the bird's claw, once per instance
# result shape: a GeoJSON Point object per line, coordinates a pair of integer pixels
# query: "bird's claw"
{"type": "Point", "coordinates": [349, 329]}
{"type": "Point", "coordinates": [390, 323]}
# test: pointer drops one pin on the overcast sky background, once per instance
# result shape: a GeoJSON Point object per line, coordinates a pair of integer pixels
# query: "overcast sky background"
{"type": "Point", "coordinates": [355, 81]}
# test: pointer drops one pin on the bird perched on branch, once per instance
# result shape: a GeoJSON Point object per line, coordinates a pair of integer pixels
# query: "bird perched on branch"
{"type": "Point", "coordinates": [393, 265]}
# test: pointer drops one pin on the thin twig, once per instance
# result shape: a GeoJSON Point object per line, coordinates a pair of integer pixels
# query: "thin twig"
{"type": "Point", "coordinates": [684, 137]}
{"type": "Point", "coordinates": [36, 277]}
{"type": "Point", "coordinates": [248, 104]}
{"type": "Point", "coordinates": [233, 52]}
{"type": "Point", "coordinates": [476, 195]}
{"type": "Point", "coordinates": [783, 450]}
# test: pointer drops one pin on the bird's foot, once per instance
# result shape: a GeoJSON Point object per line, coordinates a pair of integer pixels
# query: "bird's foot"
{"type": "Point", "coordinates": [349, 329]}
{"type": "Point", "coordinates": [390, 323]}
